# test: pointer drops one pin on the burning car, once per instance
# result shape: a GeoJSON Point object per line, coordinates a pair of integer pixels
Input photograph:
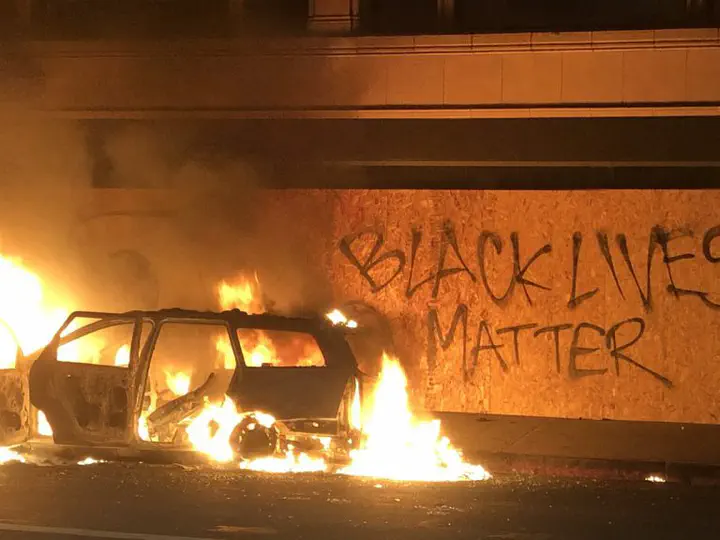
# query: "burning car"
{"type": "Point", "coordinates": [152, 379]}
{"type": "Point", "coordinates": [240, 386]}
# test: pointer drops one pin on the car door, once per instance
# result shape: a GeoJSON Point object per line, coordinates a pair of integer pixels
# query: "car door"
{"type": "Point", "coordinates": [286, 388]}
{"type": "Point", "coordinates": [82, 379]}
{"type": "Point", "coordinates": [14, 398]}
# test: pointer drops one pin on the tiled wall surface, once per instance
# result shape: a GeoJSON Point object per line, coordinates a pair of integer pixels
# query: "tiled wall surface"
{"type": "Point", "coordinates": [583, 74]}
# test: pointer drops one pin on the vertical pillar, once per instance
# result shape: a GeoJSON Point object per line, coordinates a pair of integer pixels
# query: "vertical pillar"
{"type": "Point", "coordinates": [446, 13]}
{"type": "Point", "coordinates": [333, 16]}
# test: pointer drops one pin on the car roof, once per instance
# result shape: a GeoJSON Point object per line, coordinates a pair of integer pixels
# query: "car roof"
{"type": "Point", "coordinates": [234, 317]}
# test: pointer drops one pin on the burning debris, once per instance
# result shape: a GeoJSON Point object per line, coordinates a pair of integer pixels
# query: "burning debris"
{"type": "Point", "coordinates": [90, 461]}
{"type": "Point", "coordinates": [337, 317]}
{"type": "Point", "coordinates": [655, 479]}
{"type": "Point", "coordinates": [7, 455]}
{"type": "Point", "coordinates": [43, 426]}
{"type": "Point", "coordinates": [244, 388]}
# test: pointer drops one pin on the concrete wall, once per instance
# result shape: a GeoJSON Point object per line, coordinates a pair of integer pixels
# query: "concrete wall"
{"type": "Point", "coordinates": [627, 281]}
{"type": "Point", "coordinates": [666, 72]}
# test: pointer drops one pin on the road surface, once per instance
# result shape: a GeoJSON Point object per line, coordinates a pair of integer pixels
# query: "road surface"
{"type": "Point", "coordinates": [136, 501]}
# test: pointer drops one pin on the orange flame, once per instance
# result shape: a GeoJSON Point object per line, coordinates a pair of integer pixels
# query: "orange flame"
{"type": "Point", "coordinates": [122, 356]}
{"type": "Point", "coordinates": [43, 426]}
{"type": "Point", "coordinates": [215, 444]}
{"type": "Point", "coordinates": [338, 318]}
{"type": "Point", "coordinates": [30, 319]}
{"type": "Point", "coordinates": [7, 455]}
{"type": "Point", "coordinates": [397, 445]}
{"type": "Point", "coordinates": [244, 295]}
{"type": "Point", "coordinates": [178, 383]}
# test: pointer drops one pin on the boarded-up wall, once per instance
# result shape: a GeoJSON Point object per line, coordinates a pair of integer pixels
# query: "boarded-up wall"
{"type": "Point", "coordinates": [595, 304]}
{"type": "Point", "coordinates": [574, 304]}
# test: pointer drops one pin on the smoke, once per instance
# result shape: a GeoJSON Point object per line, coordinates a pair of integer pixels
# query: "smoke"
{"type": "Point", "coordinates": [151, 214]}
{"type": "Point", "coordinates": [45, 171]}
{"type": "Point", "coordinates": [225, 222]}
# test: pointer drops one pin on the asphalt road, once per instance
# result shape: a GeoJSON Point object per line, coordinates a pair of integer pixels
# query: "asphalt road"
{"type": "Point", "coordinates": [133, 502]}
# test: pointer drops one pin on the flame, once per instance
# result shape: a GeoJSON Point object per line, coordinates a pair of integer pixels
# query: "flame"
{"type": "Point", "coordinates": [143, 428]}
{"type": "Point", "coordinates": [178, 383]}
{"type": "Point", "coordinates": [242, 295]}
{"type": "Point", "coordinates": [215, 443]}
{"type": "Point", "coordinates": [210, 432]}
{"type": "Point", "coordinates": [89, 349]}
{"type": "Point", "coordinates": [656, 479]}
{"type": "Point", "coordinates": [338, 318]}
{"type": "Point", "coordinates": [122, 356]}
{"type": "Point", "coordinates": [397, 446]}
{"type": "Point", "coordinates": [257, 345]}
{"type": "Point", "coordinates": [7, 455]}
{"type": "Point", "coordinates": [356, 409]}
{"type": "Point", "coordinates": [222, 344]}
{"type": "Point", "coordinates": [29, 318]}
{"type": "Point", "coordinates": [43, 426]}
{"type": "Point", "coordinates": [90, 461]}
{"type": "Point", "coordinates": [290, 463]}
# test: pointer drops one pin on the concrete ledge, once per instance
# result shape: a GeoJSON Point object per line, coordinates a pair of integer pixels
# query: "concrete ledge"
{"type": "Point", "coordinates": [587, 440]}
{"type": "Point", "coordinates": [599, 449]}
{"type": "Point", "coordinates": [388, 45]}
{"type": "Point", "coordinates": [619, 74]}
{"type": "Point", "coordinates": [561, 467]}
{"type": "Point", "coordinates": [628, 111]}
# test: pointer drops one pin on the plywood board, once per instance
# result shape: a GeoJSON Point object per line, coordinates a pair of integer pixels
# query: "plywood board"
{"type": "Point", "coordinates": [593, 304]}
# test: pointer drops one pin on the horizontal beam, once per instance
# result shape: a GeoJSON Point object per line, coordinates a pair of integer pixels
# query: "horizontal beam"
{"type": "Point", "coordinates": [529, 164]}
{"type": "Point", "coordinates": [588, 75]}
{"type": "Point", "coordinates": [574, 141]}
{"type": "Point", "coordinates": [620, 40]}
{"type": "Point", "coordinates": [629, 111]}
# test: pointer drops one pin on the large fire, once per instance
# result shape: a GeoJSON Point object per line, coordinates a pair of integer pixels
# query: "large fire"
{"type": "Point", "coordinates": [28, 317]}
{"type": "Point", "coordinates": [244, 295]}
{"type": "Point", "coordinates": [258, 347]}
{"type": "Point", "coordinates": [210, 431]}
{"type": "Point", "coordinates": [394, 444]}
{"type": "Point", "coordinates": [400, 447]}
{"type": "Point", "coordinates": [28, 320]}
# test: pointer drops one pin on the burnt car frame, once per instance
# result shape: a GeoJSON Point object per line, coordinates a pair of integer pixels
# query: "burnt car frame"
{"type": "Point", "coordinates": [94, 405]}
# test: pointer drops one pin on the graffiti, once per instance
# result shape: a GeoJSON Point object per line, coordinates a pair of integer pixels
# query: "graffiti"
{"type": "Point", "coordinates": [397, 261]}
{"type": "Point", "coordinates": [572, 344]}
{"type": "Point", "coordinates": [614, 351]}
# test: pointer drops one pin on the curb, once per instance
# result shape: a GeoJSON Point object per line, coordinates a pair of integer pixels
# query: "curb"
{"type": "Point", "coordinates": [598, 469]}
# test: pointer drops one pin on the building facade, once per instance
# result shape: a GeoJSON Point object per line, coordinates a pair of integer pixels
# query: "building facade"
{"type": "Point", "coordinates": [525, 191]}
